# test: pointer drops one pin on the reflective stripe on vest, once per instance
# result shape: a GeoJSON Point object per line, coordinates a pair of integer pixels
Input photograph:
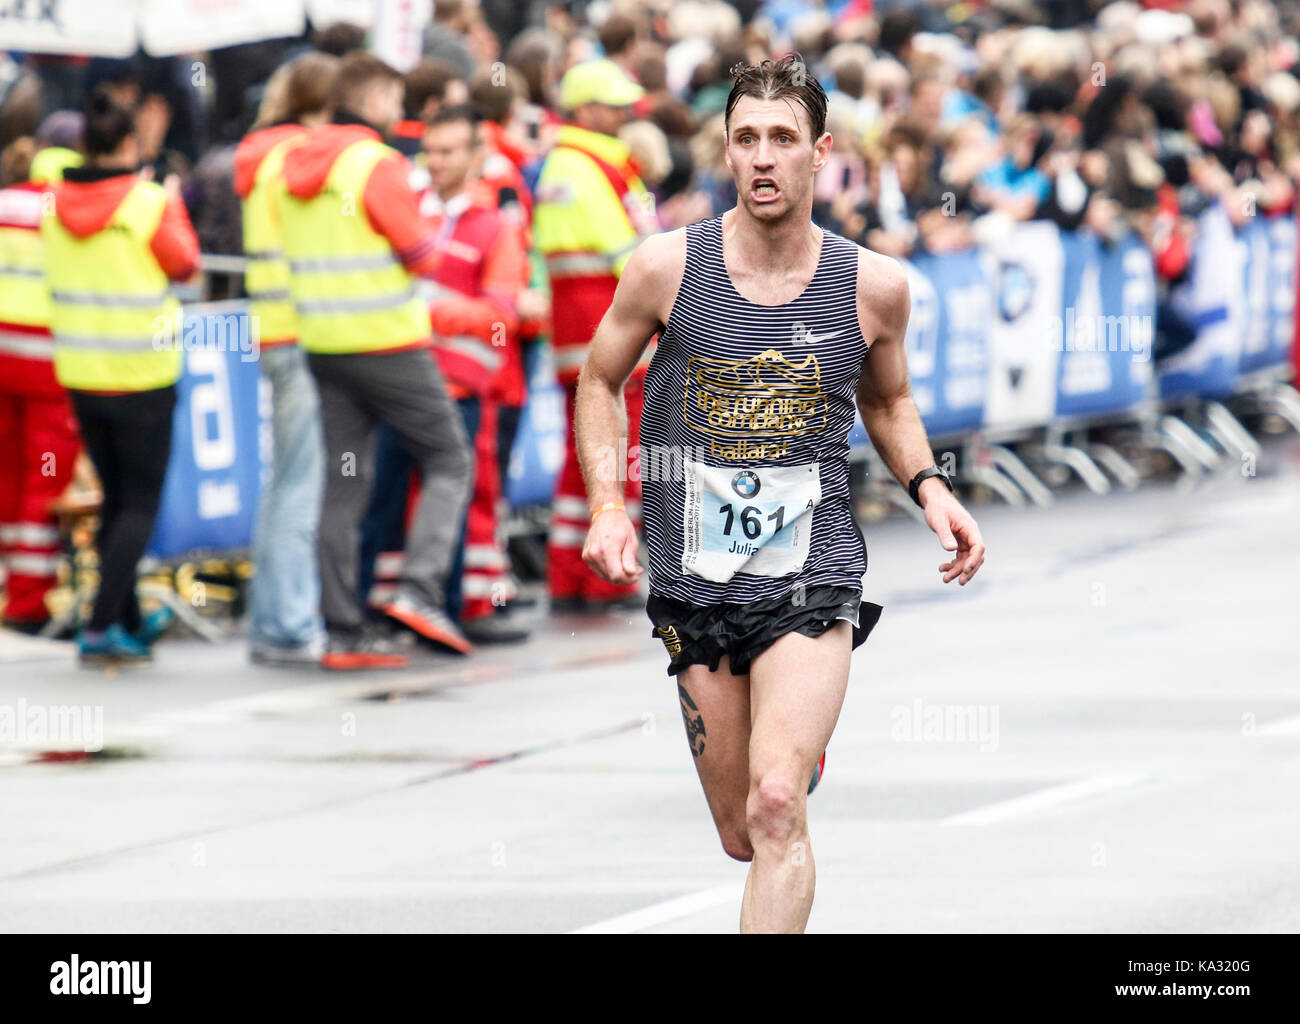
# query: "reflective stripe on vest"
{"type": "Point", "coordinates": [28, 346]}
{"type": "Point", "coordinates": [350, 291]}
{"type": "Point", "coordinates": [578, 264]}
{"type": "Point", "coordinates": [477, 349]}
{"type": "Point", "coordinates": [110, 312]}
{"type": "Point", "coordinates": [266, 279]}
{"type": "Point", "coordinates": [24, 298]}
{"type": "Point", "coordinates": [368, 304]}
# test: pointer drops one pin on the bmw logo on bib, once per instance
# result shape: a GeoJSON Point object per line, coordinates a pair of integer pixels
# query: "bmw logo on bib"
{"type": "Point", "coordinates": [745, 483]}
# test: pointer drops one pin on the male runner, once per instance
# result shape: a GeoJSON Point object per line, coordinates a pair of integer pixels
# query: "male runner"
{"type": "Point", "coordinates": [756, 561]}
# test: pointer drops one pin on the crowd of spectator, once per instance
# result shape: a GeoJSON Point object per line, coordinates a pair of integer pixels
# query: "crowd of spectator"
{"type": "Point", "coordinates": [951, 121]}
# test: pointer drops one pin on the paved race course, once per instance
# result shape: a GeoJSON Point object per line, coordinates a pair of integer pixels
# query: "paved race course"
{"type": "Point", "coordinates": [1101, 733]}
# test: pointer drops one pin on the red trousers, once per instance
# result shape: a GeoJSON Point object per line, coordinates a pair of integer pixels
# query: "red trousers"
{"type": "Point", "coordinates": [568, 575]}
{"type": "Point", "coordinates": [39, 447]}
{"type": "Point", "coordinates": [486, 583]}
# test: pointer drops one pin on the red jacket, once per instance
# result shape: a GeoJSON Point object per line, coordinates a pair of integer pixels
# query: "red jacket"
{"type": "Point", "coordinates": [252, 151]}
{"type": "Point", "coordinates": [483, 268]}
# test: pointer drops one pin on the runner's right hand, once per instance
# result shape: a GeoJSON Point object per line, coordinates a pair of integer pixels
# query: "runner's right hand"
{"type": "Point", "coordinates": [610, 548]}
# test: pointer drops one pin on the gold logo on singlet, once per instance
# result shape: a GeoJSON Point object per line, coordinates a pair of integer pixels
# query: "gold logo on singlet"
{"type": "Point", "coordinates": [756, 404]}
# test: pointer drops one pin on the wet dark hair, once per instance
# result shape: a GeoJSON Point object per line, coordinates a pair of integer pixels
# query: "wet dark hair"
{"type": "Point", "coordinates": [787, 78]}
{"type": "Point", "coordinates": [107, 124]}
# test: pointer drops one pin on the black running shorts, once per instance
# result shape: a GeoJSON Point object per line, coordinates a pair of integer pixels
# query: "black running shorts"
{"type": "Point", "coordinates": [702, 634]}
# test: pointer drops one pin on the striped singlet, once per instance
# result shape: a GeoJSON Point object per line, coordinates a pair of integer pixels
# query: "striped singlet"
{"type": "Point", "coordinates": [744, 437]}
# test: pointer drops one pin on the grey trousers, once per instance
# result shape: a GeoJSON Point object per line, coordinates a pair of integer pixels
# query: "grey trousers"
{"type": "Point", "coordinates": [404, 390]}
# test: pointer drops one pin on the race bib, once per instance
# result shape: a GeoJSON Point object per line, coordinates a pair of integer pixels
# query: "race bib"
{"type": "Point", "coordinates": [756, 521]}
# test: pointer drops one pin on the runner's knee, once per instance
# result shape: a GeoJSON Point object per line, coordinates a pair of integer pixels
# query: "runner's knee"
{"type": "Point", "coordinates": [774, 811]}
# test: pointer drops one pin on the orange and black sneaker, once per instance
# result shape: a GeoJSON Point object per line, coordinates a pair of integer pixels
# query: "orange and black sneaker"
{"type": "Point", "coordinates": [430, 621]}
{"type": "Point", "coordinates": [355, 652]}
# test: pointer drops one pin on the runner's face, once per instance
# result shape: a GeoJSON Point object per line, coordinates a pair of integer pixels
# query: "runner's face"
{"type": "Point", "coordinates": [773, 157]}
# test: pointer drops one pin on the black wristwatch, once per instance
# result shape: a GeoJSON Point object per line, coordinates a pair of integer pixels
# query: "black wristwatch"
{"type": "Point", "coordinates": [914, 488]}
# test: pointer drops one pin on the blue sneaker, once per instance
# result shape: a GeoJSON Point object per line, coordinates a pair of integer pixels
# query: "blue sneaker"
{"type": "Point", "coordinates": [817, 773]}
{"type": "Point", "coordinates": [114, 646]}
{"type": "Point", "coordinates": [154, 625]}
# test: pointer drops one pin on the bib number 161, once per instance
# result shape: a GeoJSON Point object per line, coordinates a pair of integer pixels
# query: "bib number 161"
{"type": "Point", "coordinates": [751, 521]}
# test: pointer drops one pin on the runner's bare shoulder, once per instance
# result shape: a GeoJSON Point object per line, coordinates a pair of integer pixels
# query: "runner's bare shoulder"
{"type": "Point", "coordinates": [654, 272]}
{"type": "Point", "coordinates": [884, 300]}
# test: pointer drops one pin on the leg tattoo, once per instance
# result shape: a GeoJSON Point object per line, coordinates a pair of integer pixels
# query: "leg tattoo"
{"type": "Point", "coordinates": [694, 725]}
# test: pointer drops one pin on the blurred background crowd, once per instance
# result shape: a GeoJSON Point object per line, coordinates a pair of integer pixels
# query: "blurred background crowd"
{"type": "Point", "coordinates": [951, 120]}
{"type": "Point", "coordinates": [1109, 114]}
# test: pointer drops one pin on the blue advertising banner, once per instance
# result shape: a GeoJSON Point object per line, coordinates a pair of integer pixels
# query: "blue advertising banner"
{"type": "Point", "coordinates": [209, 499]}
{"type": "Point", "coordinates": [539, 445]}
{"type": "Point", "coordinates": [1107, 328]}
{"type": "Point", "coordinates": [1213, 298]}
{"type": "Point", "coordinates": [1253, 238]}
{"type": "Point", "coordinates": [1281, 287]}
{"type": "Point", "coordinates": [947, 354]}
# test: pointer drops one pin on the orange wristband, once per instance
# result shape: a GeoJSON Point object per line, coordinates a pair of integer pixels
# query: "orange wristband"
{"type": "Point", "coordinates": [607, 507]}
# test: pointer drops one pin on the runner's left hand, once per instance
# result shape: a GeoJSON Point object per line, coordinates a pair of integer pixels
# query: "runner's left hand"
{"type": "Point", "coordinates": [957, 531]}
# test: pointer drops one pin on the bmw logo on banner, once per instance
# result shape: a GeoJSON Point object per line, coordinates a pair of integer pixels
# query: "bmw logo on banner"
{"type": "Point", "coordinates": [1015, 291]}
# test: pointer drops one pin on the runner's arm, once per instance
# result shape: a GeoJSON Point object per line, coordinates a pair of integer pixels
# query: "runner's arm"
{"type": "Point", "coordinates": [644, 296]}
{"type": "Point", "coordinates": [646, 291]}
{"type": "Point", "coordinates": [884, 392]}
{"type": "Point", "coordinates": [890, 415]}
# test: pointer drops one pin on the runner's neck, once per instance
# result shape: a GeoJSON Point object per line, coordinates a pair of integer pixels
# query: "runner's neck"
{"type": "Point", "coordinates": [760, 249]}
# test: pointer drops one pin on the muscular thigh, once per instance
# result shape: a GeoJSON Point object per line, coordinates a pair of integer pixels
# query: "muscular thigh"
{"type": "Point", "coordinates": [797, 689]}
{"type": "Point", "coordinates": [715, 710]}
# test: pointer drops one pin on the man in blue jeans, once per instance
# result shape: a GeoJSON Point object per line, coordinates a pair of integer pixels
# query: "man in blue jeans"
{"type": "Point", "coordinates": [284, 607]}
{"type": "Point", "coordinates": [285, 620]}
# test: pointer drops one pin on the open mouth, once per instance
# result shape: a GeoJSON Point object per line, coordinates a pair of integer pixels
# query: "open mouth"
{"type": "Point", "coordinates": [764, 190]}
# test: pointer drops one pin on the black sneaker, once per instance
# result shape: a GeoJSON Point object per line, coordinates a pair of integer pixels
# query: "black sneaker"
{"type": "Point", "coordinates": [495, 629]}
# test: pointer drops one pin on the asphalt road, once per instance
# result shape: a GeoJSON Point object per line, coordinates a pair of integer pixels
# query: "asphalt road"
{"type": "Point", "coordinates": [1100, 734]}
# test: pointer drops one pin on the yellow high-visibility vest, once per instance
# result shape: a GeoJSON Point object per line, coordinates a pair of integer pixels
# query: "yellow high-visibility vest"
{"type": "Point", "coordinates": [580, 223]}
{"type": "Point", "coordinates": [113, 319]}
{"type": "Point", "coordinates": [350, 291]}
{"type": "Point", "coordinates": [266, 279]}
{"type": "Point", "coordinates": [24, 297]}
{"type": "Point", "coordinates": [50, 163]}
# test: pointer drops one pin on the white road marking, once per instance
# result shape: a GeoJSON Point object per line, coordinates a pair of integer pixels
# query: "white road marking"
{"type": "Point", "coordinates": [1029, 803]}
{"type": "Point", "coordinates": [1282, 727]}
{"type": "Point", "coordinates": [669, 910]}
{"type": "Point", "coordinates": [1039, 800]}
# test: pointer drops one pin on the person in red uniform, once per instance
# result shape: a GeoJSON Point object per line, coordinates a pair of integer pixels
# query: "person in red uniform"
{"type": "Point", "coordinates": [592, 211]}
{"type": "Point", "coordinates": [36, 421]}
{"type": "Point", "coordinates": [475, 322]}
